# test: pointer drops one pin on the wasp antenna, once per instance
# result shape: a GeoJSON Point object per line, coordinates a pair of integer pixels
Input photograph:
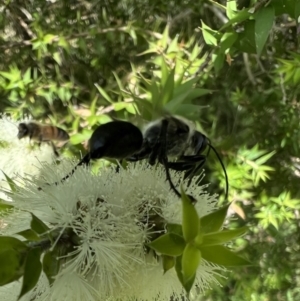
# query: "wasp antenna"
{"type": "Point", "coordinates": [224, 169]}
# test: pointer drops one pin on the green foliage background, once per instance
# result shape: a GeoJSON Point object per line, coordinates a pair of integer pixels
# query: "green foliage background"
{"type": "Point", "coordinates": [232, 67]}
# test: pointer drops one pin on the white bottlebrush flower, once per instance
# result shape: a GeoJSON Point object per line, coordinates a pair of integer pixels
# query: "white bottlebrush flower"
{"type": "Point", "coordinates": [112, 215]}
{"type": "Point", "coordinates": [18, 157]}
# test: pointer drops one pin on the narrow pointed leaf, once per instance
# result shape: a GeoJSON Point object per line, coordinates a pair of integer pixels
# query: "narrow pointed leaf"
{"type": "Point", "coordinates": [240, 17]}
{"type": "Point", "coordinates": [32, 271]}
{"type": "Point", "coordinates": [217, 238]}
{"type": "Point", "coordinates": [51, 265]}
{"type": "Point", "coordinates": [190, 218]}
{"type": "Point", "coordinates": [178, 268]}
{"type": "Point", "coordinates": [191, 259]}
{"type": "Point", "coordinates": [164, 72]}
{"type": "Point", "coordinates": [264, 19]}
{"type": "Point", "coordinates": [5, 206]}
{"type": "Point", "coordinates": [186, 86]}
{"type": "Point", "coordinates": [222, 256]}
{"type": "Point", "coordinates": [104, 94]}
{"type": "Point", "coordinates": [168, 262]}
{"type": "Point", "coordinates": [168, 244]}
{"type": "Point", "coordinates": [227, 40]}
{"type": "Point", "coordinates": [11, 243]}
{"type": "Point", "coordinates": [175, 228]}
{"type": "Point", "coordinates": [10, 182]}
{"type": "Point", "coordinates": [29, 235]}
{"type": "Point", "coordinates": [155, 96]}
{"type": "Point", "coordinates": [214, 221]}
{"type": "Point", "coordinates": [168, 88]}
{"type": "Point", "coordinates": [37, 225]}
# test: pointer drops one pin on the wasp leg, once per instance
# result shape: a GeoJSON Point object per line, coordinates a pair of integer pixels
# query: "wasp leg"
{"type": "Point", "coordinates": [180, 166]}
{"type": "Point", "coordinates": [144, 153]}
{"type": "Point", "coordinates": [162, 156]}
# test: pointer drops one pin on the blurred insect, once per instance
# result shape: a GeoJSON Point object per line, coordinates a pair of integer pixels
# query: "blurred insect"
{"type": "Point", "coordinates": [42, 133]}
{"type": "Point", "coordinates": [168, 137]}
{"type": "Point", "coordinates": [113, 140]}
{"type": "Point", "coordinates": [176, 138]}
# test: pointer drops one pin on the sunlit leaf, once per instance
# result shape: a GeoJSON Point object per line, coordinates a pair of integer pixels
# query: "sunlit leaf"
{"type": "Point", "coordinates": [222, 256]}
{"type": "Point", "coordinates": [191, 258]}
{"type": "Point", "coordinates": [168, 244]}
{"type": "Point", "coordinates": [168, 88]}
{"type": "Point", "coordinates": [178, 267]}
{"type": "Point", "coordinates": [213, 221]}
{"type": "Point", "coordinates": [104, 94]}
{"type": "Point", "coordinates": [222, 237]}
{"type": "Point", "coordinates": [231, 9]}
{"type": "Point", "coordinates": [190, 218]}
{"type": "Point", "coordinates": [227, 40]}
{"type": "Point", "coordinates": [209, 35]}
{"type": "Point", "coordinates": [239, 17]}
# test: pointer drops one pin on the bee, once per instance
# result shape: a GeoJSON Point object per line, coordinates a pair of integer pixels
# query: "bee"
{"type": "Point", "coordinates": [42, 133]}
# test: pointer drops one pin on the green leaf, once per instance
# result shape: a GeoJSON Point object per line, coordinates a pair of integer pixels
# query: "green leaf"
{"type": "Point", "coordinates": [48, 38]}
{"type": "Point", "coordinates": [80, 137]}
{"type": "Point", "coordinates": [37, 225]}
{"type": "Point", "coordinates": [164, 72]}
{"type": "Point", "coordinates": [104, 94]}
{"type": "Point", "coordinates": [264, 19]}
{"type": "Point", "coordinates": [175, 228]}
{"type": "Point", "coordinates": [51, 264]}
{"type": "Point", "coordinates": [168, 88]}
{"type": "Point", "coordinates": [168, 262]}
{"type": "Point", "coordinates": [118, 106]}
{"type": "Point", "coordinates": [191, 259]}
{"type": "Point", "coordinates": [32, 271]}
{"type": "Point", "coordinates": [155, 96]}
{"type": "Point", "coordinates": [168, 244]}
{"type": "Point", "coordinates": [240, 17]}
{"type": "Point", "coordinates": [11, 243]}
{"type": "Point", "coordinates": [222, 237]}
{"type": "Point", "coordinates": [222, 256]}
{"type": "Point", "coordinates": [190, 218]}
{"type": "Point", "coordinates": [10, 182]}
{"type": "Point", "coordinates": [213, 222]}
{"type": "Point", "coordinates": [227, 40]}
{"type": "Point", "coordinates": [246, 41]}
{"type": "Point", "coordinates": [5, 205]}
{"type": "Point", "coordinates": [29, 235]}
{"type": "Point", "coordinates": [186, 96]}
{"type": "Point", "coordinates": [218, 59]}
{"type": "Point", "coordinates": [231, 9]}
{"type": "Point", "coordinates": [10, 265]}
{"type": "Point", "coordinates": [178, 267]}
{"type": "Point", "coordinates": [165, 38]}
{"type": "Point", "coordinates": [209, 35]}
